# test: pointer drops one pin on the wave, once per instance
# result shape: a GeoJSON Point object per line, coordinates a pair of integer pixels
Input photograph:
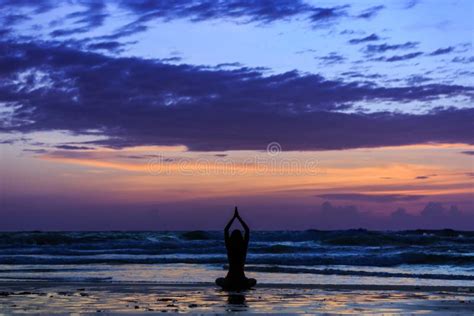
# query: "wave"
{"type": "Point", "coordinates": [175, 249]}
{"type": "Point", "coordinates": [67, 238]}
{"type": "Point", "coordinates": [58, 279]}
{"type": "Point", "coordinates": [196, 235]}
{"type": "Point", "coordinates": [403, 238]}
{"type": "Point", "coordinates": [356, 237]}
{"type": "Point", "coordinates": [309, 259]}
{"type": "Point", "coordinates": [310, 248]}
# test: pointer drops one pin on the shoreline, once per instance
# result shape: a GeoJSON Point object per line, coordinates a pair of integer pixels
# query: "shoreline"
{"type": "Point", "coordinates": [362, 287]}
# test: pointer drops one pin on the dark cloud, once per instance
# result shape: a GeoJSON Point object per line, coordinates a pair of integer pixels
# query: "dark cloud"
{"type": "Point", "coordinates": [424, 177]}
{"type": "Point", "coordinates": [144, 157]}
{"type": "Point", "coordinates": [433, 216]}
{"type": "Point", "coordinates": [252, 11]}
{"type": "Point", "coordinates": [331, 58]}
{"type": "Point", "coordinates": [94, 13]}
{"type": "Point", "coordinates": [382, 48]}
{"type": "Point", "coordinates": [246, 11]}
{"type": "Point", "coordinates": [335, 217]}
{"type": "Point", "coordinates": [351, 32]}
{"type": "Point", "coordinates": [13, 140]}
{"type": "Point", "coordinates": [125, 31]}
{"type": "Point", "coordinates": [370, 38]}
{"type": "Point", "coordinates": [198, 10]}
{"type": "Point", "coordinates": [398, 57]}
{"type": "Point", "coordinates": [36, 151]}
{"type": "Point", "coordinates": [309, 50]}
{"type": "Point", "coordinates": [4, 32]}
{"type": "Point", "coordinates": [379, 198]}
{"type": "Point", "coordinates": [136, 101]}
{"type": "Point", "coordinates": [325, 15]}
{"type": "Point", "coordinates": [38, 6]}
{"type": "Point", "coordinates": [468, 152]}
{"type": "Point", "coordinates": [113, 46]}
{"type": "Point", "coordinates": [7, 141]}
{"type": "Point", "coordinates": [370, 12]}
{"type": "Point", "coordinates": [73, 147]}
{"type": "Point", "coordinates": [411, 3]}
{"type": "Point", "coordinates": [417, 79]}
{"type": "Point", "coordinates": [175, 59]}
{"type": "Point", "coordinates": [463, 60]}
{"type": "Point", "coordinates": [442, 51]}
{"type": "Point", "coordinates": [356, 74]}
{"type": "Point", "coordinates": [67, 32]}
{"type": "Point", "coordinates": [403, 57]}
{"type": "Point", "coordinates": [92, 17]}
{"type": "Point", "coordinates": [13, 18]}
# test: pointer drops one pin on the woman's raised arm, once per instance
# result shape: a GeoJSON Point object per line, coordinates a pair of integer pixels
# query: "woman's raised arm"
{"type": "Point", "coordinates": [244, 225]}
{"type": "Point", "coordinates": [227, 227]}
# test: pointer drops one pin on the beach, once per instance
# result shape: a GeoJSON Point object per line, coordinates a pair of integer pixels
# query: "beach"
{"type": "Point", "coordinates": [329, 272]}
{"type": "Point", "coordinates": [87, 297]}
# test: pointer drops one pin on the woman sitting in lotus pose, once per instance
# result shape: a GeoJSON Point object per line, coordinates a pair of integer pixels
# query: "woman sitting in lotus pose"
{"type": "Point", "coordinates": [236, 253]}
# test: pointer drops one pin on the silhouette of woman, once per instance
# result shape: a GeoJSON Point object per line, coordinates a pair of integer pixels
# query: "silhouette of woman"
{"type": "Point", "coordinates": [236, 253]}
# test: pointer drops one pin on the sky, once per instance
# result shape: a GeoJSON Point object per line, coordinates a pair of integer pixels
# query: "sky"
{"type": "Point", "coordinates": [164, 115]}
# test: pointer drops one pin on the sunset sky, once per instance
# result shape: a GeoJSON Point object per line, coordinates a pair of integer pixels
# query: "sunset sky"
{"type": "Point", "coordinates": [149, 115]}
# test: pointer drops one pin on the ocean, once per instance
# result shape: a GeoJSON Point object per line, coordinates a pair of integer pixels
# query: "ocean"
{"type": "Point", "coordinates": [418, 257]}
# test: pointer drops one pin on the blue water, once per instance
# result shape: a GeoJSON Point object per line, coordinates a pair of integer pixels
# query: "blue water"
{"type": "Point", "coordinates": [353, 256]}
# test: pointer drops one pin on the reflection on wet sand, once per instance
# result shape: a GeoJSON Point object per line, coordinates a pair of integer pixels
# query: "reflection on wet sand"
{"type": "Point", "coordinates": [48, 298]}
{"type": "Point", "coordinates": [236, 302]}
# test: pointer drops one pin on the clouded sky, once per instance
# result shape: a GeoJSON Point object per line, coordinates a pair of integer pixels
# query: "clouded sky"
{"type": "Point", "coordinates": [165, 114]}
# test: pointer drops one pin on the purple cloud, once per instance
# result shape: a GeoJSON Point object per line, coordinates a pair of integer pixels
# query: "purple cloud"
{"type": "Point", "coordinates": [433, 216]}
{"type": "Point", "coordinates": [397, 58]}
{"type": "Point", "coordinates": [73, 147]}
{"type": "Point", "coordinates": [93, 13]}
{"type": "Point", "coordinates": [331, 58]}
{"type": "Point", "coordinates": [112, 46]}
{"type": "Point", "coordinates": [382, 48]}
{"type": "Point", "coordinates": [463, 60]}
{"type": "Point", "coordinates": [442, 51]}
{"type": "Point", "coordinates": [134, 101]}
{"type": "Point", "coordinates": [370, 12]}
{"type": "Point", "coordinates": [370, 38]}
{"type": "Point", "coordinates": [379, 198]}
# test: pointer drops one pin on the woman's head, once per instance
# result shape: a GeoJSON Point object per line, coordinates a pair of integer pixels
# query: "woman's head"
{"type": "Point", "coordinates": [236, 237]}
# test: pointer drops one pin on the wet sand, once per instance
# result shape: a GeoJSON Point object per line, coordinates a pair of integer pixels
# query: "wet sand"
{"type": "Point", "coordinates": [67, 297]}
